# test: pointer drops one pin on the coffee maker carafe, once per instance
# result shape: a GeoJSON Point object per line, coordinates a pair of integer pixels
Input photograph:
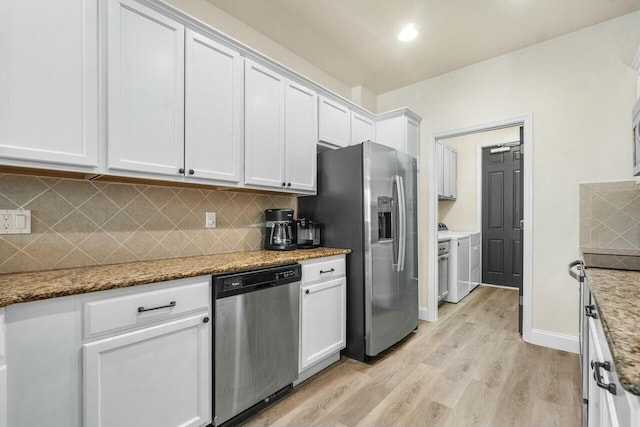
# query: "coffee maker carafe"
{"type": "Point", "coordinates": [279, 232]}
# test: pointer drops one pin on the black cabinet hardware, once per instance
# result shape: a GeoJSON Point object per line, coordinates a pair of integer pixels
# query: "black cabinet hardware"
{"type": "Point", "coordinates": [610, 387]}
{"type": "Point", "coordinates": [589, 311]}
{"type": "Point", "coordinates": [181, 171]}
{"type": "Point", "coordinates": [327, 271]}
{"type": "Point", "coordinates": [142, 309]}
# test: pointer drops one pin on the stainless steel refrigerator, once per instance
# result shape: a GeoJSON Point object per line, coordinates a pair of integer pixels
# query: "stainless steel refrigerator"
{"type": "Point", "coordinates": [367, 201]}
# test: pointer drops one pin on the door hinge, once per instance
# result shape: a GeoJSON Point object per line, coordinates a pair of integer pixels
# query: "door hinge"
{"type": "Point", "coordinates": [521, 303]}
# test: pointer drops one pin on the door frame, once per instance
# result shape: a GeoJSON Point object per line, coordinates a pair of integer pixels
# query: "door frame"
{"type": "Point", "coordinates": [432, 217]}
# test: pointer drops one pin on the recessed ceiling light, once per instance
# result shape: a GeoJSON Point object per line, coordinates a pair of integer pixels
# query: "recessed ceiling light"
{"type": "Point", "coordinates": [408, 32]}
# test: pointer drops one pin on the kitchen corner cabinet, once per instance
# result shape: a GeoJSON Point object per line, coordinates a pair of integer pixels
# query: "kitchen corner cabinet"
{"type": "Point", "coordinates": [280, 131]}
{"type": "Point", "coordinates": [334, 123]}
{"type": "Point", "coordinates": [104, 359]}
{"type": "Point", "coordinates": [49, 98]}
{"type": "Point", "coordinates": [322, 309]}
{"type": "Point", "coordinates": [399, 129]}
{"type": "Point", "coordinates": [174, 98]}
{"type": "Point", "coordinates": [362, 128]}
{"type": "Point", "coordinates": [447, 166]}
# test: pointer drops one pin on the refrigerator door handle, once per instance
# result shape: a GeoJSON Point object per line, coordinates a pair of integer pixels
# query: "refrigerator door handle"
{"type": "Point", "coordinates": [395, 222]}
{"type": "Point", "coordinates": [402, 246]}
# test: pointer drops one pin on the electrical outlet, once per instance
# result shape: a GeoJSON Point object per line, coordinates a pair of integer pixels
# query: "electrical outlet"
{"type": "Point", "coordinates": [210, 220]}
{"type": "Point", "coordinates": [16, 221]}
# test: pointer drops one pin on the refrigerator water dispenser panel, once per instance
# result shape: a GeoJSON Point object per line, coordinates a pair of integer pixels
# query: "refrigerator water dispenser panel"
{"type": "Point", "coordinates": [384, 218]}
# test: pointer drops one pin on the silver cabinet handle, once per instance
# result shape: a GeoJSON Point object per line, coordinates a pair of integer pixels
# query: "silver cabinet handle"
{"type": "Point", "coordinates": [142, 309]}
{"type": "Point", "coordinates": [327, 271]}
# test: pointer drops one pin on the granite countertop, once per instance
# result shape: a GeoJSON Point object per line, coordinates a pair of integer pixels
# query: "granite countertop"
{"type": "Point", "coordinates": [617, 297]}
{"type": "Point", "coordinates": [38, 285]}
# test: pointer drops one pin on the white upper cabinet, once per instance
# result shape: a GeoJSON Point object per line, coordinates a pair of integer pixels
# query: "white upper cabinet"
{"type": "Point", "coordinates": [334, 123]}
{"type": "Point", "coordinates": [213, 110]}
{"type": "Point", "coordinates": [264, 126]}
{"type": "Point", "coordinates": [447, 158]}
{"type": "Point", "coordinates": [145, 90]}
{"type": "Point", "coordinates": [281, 128]}
{"type": "Point", "coordinates": [362, 128]}
{"type": "Point", "coordinates": [49, 83]}
{"type": "Point", "coordinates": [399, 129]}
{"type": "Point", "coordinates": [301, 130]}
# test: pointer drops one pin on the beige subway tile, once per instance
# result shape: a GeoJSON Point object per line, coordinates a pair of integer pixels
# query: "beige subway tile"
{"type": "Point", "coordinates": [49, 249]}
{"type": "Point", "coordinates": [140, 209]}
{"type": "Point", "coordinates": [76, 227]}
{"type": "Point", "coordinates": [49, 208]}
{"type": "Point", "coordinates": [121, 194]}
{"type": "Point", "coordinates": [75, 191]}
{"type": "Point", "coordinates": [99, 246]}
{"type": "Point", "coordinates": [76, 258]}
{"type": "Point", "coordinates": [21, 262]}
{"type": "Point", "coordinates": [99, 209]}
{"type": "Point", "coordinates": [159, 196]}
{"type": "Point", "coordinates": [20, 188]}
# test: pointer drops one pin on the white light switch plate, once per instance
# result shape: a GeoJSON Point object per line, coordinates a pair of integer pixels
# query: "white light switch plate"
{"type": "Point", "coordinates": [16, 221]}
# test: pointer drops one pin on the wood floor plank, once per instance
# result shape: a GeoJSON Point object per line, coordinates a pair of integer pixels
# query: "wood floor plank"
{"type": "Point", "coordinates": [470, 368]}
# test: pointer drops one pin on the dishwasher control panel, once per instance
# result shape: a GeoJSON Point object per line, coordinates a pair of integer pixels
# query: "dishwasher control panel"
{"type": "Point", "coordinates": [237, 283]}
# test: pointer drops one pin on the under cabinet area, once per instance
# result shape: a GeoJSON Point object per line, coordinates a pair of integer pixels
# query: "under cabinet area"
{"type": "Point", "coordinates": [136, 356]}
{"type": "Point", "coordinates": [322, 313]}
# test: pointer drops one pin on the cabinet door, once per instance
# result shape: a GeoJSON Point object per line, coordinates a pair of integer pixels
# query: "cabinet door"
{"type": "Point", "coordinates": [301, 130]}
{"type": "Point", "coordinates": [446, 171]}
{"type": "Point", "coordinates": [440, 167]}
{"type": "Point", "coordinates": [264, 126]}
{"type": "Point", "coordinates": [362, 129]}
{"type": "Point", "coordinates": [391, 132]}
{"type": "Point", "coordinates": [322, 320]}
{"type": "Point", "coordinates": [213, 110]}
{"type": "Point", "coordinates": [453, 173]}
{"type": "Point", "coordinates": [146, 90]}
{"type": "Point", "coordinates": [159, 376]}
{"type": "Point", "coordinates": [49, 81]}
{"type": "Point", "coordinates": [334, 125]}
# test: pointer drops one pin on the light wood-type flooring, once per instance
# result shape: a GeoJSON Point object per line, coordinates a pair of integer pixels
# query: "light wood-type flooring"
{"type": "Point", "coordinates": [470, 368]}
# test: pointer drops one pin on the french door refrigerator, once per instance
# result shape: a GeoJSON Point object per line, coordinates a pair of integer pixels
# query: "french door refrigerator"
{"type": "Point", "coordinates": [367, 202]}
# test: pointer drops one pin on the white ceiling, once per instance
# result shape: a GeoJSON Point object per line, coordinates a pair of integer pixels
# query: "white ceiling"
{"type": "Point", "coordinates": [356, 40]}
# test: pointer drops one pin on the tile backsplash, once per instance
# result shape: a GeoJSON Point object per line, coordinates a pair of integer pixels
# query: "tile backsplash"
{"type": "Point", "coordinates": [610, 215]}
{"type": "Point", "coordinates": [78, 222]}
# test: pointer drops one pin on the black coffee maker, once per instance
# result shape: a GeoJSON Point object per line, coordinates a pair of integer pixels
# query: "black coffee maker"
{"type": "Point", "coordinates": [279, 234]}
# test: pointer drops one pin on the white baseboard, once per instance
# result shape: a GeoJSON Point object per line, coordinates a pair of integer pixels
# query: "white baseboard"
{"type": "Point", "coordinates": [554, 340]}
{"type": "Point", "coordinates": [423, 313]}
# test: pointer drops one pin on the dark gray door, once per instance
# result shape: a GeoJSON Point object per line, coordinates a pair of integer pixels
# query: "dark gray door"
{"type": "Point", "coordinates": [501, 216]}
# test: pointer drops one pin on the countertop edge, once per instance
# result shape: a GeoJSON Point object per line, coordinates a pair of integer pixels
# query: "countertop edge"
{"type": "Point", "coordinates": [619, 360]}
{"type": "Point", "coordinates": [16, 288]}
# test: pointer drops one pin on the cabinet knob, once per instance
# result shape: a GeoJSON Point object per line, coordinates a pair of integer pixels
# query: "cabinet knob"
{"type": "Point", "coordinates": [307, 292]}
{"type": "Point", "coordinates": [191, 172]}
{"type": "Point", "coordinates": [205, 319]}
{"type": "Point", "coordinates": [181, 171]}
{"type": "Point", "coordinates": [284, 184]}
{"type": "Point", "coordinates": [289, 185]}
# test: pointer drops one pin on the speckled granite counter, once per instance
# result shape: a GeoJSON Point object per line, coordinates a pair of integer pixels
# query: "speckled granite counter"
{"type": "Point", "coordinates": [617, 297]}
{"type": "Point", "coordinates": [38, 285]}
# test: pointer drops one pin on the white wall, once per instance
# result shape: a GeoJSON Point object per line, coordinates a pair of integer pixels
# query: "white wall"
{"type": "Point", "coordinates": [461, 214]}
{"type": "Point", "coordinates": [580, 93]}
{"type": "Point", "coordinates": [222, 21]}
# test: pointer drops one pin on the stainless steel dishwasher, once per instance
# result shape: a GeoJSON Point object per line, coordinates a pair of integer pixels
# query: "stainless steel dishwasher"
{"type": "Point", "coordinates": [256, 340]}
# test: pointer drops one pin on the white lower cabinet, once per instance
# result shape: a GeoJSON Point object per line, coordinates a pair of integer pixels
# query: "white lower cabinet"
{"type": "Point", "coordinates": [609, 405]}
{"type": "Point", "coordinates": [156, 376]}
{"type": "Point", "coordinates": [84, 360]}
{"type": "Point", "coordinates": [322, 310]}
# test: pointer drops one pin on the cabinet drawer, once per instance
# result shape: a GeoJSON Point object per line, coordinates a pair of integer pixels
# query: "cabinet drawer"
{"type": "Point", "coordinates": [146, 307]}
{"type": "Point", "coordinates": [323, 269]}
